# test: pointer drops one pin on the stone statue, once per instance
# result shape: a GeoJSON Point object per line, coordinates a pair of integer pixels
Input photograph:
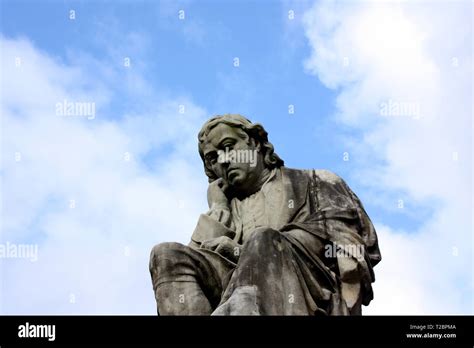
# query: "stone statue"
{"type": "Point", "coordinates": [275, 241]}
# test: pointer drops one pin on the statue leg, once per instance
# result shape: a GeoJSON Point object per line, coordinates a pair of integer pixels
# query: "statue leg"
{"type": "Point", "coordinates": [186, 281]}
{"type": "Point", "coordinates": [181, 298]}
{"type": "Point", "coordinates": [273, 278]}
{"type": "Point", "coordinates": [265, 281]}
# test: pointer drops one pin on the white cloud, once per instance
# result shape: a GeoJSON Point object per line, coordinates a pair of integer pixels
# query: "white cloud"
{"type": "Point", "coordinates": [416, 54]}
{"type": "Point", "coordinates": [96, 253]}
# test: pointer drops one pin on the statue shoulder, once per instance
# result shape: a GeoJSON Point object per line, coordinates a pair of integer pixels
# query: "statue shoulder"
{"type": "Point", "coordinates": [323, 175]}
{"type": "Point", "coordinates": [322, 178]}
{"type": "Point", "coordinates": [328, 176]}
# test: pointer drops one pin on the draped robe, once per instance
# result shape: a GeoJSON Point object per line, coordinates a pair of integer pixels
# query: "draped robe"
{"type": "Point", "coordinates": [286, 265]}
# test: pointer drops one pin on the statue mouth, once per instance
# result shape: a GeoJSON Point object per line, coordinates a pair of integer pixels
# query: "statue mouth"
{"type": "Point", "coordinates": [231, 172]}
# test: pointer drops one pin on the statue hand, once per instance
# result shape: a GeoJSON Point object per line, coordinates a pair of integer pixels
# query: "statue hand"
{"type": "Point", "coordinates": [216, 193]}
{"type": "Point", "coordinates": [224, 246]}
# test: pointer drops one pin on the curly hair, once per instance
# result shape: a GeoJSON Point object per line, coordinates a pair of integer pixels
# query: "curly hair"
{"type": "Point", "coordinates": [253, 130]}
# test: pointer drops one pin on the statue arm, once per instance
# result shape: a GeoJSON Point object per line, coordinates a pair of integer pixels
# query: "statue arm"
{"type": "Point", "coordinates": [338, 202]}
{"type": "Point", "coordinates": [347, 224]}
{"type": "Point", "coordinates": [217, 222]}
{"type": "Point", "coordinates": [365, 227]}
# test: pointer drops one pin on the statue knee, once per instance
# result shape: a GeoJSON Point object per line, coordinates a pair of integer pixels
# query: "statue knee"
{"type": "Point", "coordinates": [167, 250]}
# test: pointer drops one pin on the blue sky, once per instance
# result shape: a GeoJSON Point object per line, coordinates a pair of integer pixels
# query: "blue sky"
{"type": "Point", "coordinates": [282, 61]}
{"type": "Point", "coordinates": [270, 77]}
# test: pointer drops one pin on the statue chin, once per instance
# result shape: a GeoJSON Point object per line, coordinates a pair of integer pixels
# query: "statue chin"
{"type": "Point", "coordinates": [235, 179]}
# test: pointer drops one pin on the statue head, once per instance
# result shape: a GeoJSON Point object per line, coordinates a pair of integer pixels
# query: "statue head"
{"type": "Point", "coordinates": [235, 149]}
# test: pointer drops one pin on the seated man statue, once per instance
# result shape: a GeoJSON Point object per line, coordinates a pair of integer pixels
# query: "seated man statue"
{"type": "Point", "coordinates": [275, 241]}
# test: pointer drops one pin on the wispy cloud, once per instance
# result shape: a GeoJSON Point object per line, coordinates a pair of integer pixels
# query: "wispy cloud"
{"type": "Point", "coordinates": [94, 194]}
{"type": "Point", "coordinates": [403, 73]}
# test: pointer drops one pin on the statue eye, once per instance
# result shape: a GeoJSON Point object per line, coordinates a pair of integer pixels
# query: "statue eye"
{"type": "Point", "coordinates": [211, 158]}
{"type": "Point", "coordinates": [229, 145]}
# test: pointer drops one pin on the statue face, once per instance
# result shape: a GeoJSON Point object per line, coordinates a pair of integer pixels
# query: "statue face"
{"type": "Point", "coordinates": [233, 156]}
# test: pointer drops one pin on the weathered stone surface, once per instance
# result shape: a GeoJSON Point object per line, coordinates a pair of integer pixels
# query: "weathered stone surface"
{"type": "Point", "coordinates": [275, 241]}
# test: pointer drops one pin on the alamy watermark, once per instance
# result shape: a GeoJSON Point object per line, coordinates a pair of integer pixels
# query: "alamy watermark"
{"type": "Point", "coordinates": [237, 156]}
{"type": "Point", "coordinates": [344, 250]}
{"type": "Point", "coordinates": [69, 108]}
{"type": "Point", "coordinates": [19, 251]}
{"type": "Point", "coordinates": [28, 330]}
{"type": "Point", "coordinates": [400, 108]}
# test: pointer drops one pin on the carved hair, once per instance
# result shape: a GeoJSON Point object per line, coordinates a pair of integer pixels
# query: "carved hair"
{"type": "Point", "coordinates": [253, 130]}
